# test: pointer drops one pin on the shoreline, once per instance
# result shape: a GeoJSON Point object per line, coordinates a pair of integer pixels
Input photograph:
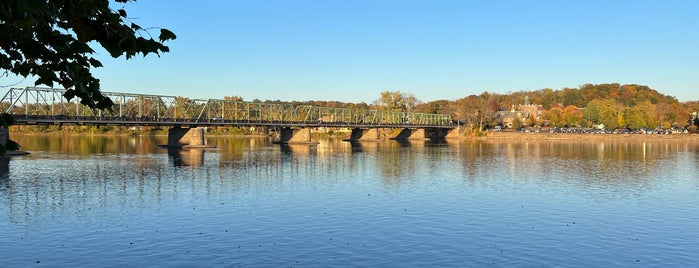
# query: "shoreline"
{"type": "Point", "coordinates": [519, 136]}
{"type": "Point", "coordinates": [489, 136]}
{"type": "Point", "coordinates": [134, 134]}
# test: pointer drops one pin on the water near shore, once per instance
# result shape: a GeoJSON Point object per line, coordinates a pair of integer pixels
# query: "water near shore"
{"type": "Point", "coordinates": [120, 201]}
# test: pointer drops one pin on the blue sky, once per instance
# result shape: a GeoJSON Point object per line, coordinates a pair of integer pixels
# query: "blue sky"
{"type": "Point", "coordinates": [353, 50]}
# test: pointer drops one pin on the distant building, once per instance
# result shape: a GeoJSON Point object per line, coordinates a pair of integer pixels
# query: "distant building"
{"type": "Point", "coordinates": [522, 112]}
{"type": "Point", "coordinates": [505, 118]}
{"type": "Point", "coordinates": [535, 110]}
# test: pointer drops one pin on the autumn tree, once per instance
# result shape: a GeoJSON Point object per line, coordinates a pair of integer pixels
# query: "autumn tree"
{"type": "Point", "coordinates": [632, 119]}
{"type": "Point", "coordinates": [548, 98]}
{"type": "Point", "coordinates": [591, 115]}
{"type": "Point", "coordinates": [396, 101]}
{"type": "Point", "coordinates": [410, 102]}
{"type": "Point", "coordinates": [516, 123]}
{"type": "Point", "coordinates": [646, 113]}
{"type": "Point", "coordinates": [466, 109]}
{"type": "Point", "coordinates": [602, 111]}
{"type": "Point", "coordinates": [531, 120]}
{"type": "Point", "coordinates": [435, 107]}
{"type": "Point", "coordinates": [476, 110]}
{"type": "Point", "coordinates": [666, 118]}
{"type": "Point", "coordinates": [571, 116]}
{"type": "Point", "coordinates": [572, 97]}
{"type": "Point", "coordinates": [555, 116]}
{"type": "Point", "coordinates": [233, 98]}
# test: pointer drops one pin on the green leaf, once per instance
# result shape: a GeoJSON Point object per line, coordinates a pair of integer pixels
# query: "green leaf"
{"type": "Point", "coordinates": [122, 12]}
{"type": "Point", "coordinates": [21, 69]}
{"type": "Point", "coordinates": [14, 55]}
{"type": "Point", "coordinates": [69, 94]}
{"type": "Point", "coordinates": [166, 34]}
{"type": "Point", "coordinates": [95, 63]}
{"type": "Point", "coordinates": [43, 80]}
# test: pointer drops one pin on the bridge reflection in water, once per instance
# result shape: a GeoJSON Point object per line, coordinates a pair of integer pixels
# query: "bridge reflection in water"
{"type": "Point", "coordinates": [77, 173]}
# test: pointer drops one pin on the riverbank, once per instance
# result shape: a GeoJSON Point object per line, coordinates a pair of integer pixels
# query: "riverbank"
{"type": "Point", "coordinates": [520, 136]}
{"type": "Point", "coordinates": [236, 132]}
{"type": "Point", "coordinates": [124, 130]}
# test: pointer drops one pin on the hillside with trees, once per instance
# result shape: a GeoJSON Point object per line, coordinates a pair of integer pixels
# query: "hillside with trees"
{"type": "Point", "coordinates": [602, 105]}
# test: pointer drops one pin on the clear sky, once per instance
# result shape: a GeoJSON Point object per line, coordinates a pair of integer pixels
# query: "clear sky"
{"type": "Point", "coordinates": [351, 50]}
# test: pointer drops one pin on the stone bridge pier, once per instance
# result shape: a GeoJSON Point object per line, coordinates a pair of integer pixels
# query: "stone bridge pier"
{"type": "Point", "coordinates": [186, 137]}
{"type": "Point", "coordinates": [365, 134]}
{"type": "Point", "coordinates": [295, 135]}
{"type": "Point", "coordinates": [429, 133]}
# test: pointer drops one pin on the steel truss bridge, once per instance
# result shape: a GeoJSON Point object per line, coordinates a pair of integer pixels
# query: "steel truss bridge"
{"type": "Point", "coordinates": [48, 106]}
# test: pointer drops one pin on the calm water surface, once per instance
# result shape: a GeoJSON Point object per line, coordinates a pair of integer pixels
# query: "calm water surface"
{"type": "Point", "coordinates": [120, 201]}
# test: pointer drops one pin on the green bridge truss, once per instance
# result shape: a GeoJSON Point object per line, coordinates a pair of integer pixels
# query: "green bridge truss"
{"type": "Point", "coordinates": [32, 103]}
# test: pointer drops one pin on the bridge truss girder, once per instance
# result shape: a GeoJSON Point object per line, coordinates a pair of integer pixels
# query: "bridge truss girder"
{"type": "Point", "coordinates": [50, 102]}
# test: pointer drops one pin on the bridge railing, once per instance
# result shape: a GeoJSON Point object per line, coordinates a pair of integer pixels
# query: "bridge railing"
{"type": "Point", "coordinates": [37, 102]}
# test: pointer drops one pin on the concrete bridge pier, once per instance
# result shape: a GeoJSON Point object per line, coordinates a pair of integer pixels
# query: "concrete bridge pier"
{"type": "Point", "coordinates": [411, 134]}
{"type": "Point", "coordinates": [295, 135]}
{"type": "Point", "coordinates": [453, 133]}
{"type": "Point", "coordinates": [186, 137]}
{"type": "Point", "coordinates": [429, 133]}
{"type": "Point", "coordinates": [365, 134]}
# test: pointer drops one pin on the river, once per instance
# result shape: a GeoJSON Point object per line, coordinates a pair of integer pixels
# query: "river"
{"type": "Point", "coordinates": [105, 201]}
